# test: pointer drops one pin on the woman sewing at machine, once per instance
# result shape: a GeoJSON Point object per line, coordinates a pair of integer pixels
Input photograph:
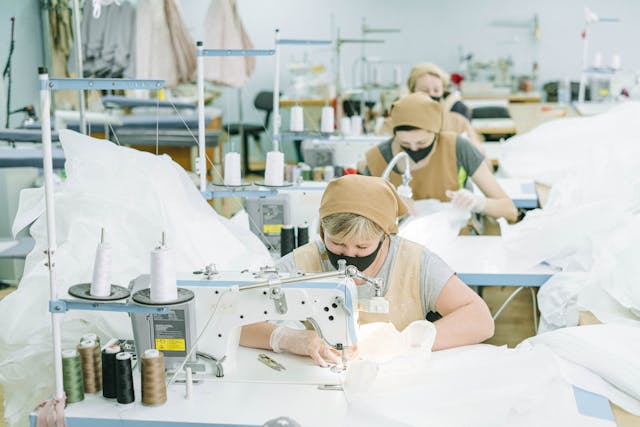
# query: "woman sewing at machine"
{"type": "Point", "coordinates": [440, 161]}
{"type": "Point", "coordinates": [358, 223]}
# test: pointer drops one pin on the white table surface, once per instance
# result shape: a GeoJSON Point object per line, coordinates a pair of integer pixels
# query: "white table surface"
{"type": "Point", "coordinates": [484, 261]}
{"type": "Point", "coordinates": [238, 402]}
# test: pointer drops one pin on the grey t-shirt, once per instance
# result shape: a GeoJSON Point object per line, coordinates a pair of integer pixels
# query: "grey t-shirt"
{"type": "Point", "coordinates": [435, 273]}
{"type": "Point", "coordinates": [468, 157]}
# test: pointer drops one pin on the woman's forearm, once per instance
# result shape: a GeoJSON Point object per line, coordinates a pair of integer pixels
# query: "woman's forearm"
{"type": "Point", "coordinates": [257, 335]}
{"type": "Point", "coordinates": [469, 324]}
{"type": "Point", "coordinates": [502, 207]}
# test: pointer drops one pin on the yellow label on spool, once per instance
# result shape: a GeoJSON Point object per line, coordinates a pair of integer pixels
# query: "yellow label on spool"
{"type": "Point", "coordinates": [272, 228]}
{"type": "Point", "coordinates": [170, 344]}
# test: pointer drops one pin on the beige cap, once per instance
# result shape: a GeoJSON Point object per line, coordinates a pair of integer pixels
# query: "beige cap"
{"type": "Point", "coordinates": [417, 110]}
{"type": "Point", "coordinates": [420, 70]}
{"type": "Point", "coordinates": [369, 196]}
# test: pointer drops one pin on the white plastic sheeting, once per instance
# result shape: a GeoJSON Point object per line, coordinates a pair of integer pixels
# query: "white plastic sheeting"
{"type": "Point", "coordinates": [610, 352]}
{"type": "Point", "coordinates": [435, 224]}
{"type": "Point", "coordinates": [590, 221]}
{"type": "Point", "coordinates": [478, 385]}
{"type": "Point", "coordinates": [135, 196]}
{"type": "Point", "coordinates": [556, 149]}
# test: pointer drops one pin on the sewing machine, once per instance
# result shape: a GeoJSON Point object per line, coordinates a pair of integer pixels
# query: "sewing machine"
{"type": "Point", "coordinates": [220, 303]}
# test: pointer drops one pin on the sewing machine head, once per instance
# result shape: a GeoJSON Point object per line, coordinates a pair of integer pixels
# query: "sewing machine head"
{"type": "Point", "coordinates": [226, 301]}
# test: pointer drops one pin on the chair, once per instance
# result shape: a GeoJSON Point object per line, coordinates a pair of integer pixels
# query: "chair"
{"type": "Point", "coordinates": [264, 102]}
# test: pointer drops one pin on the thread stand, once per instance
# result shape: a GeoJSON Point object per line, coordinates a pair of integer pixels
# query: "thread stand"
{"type": "Point", "coordinates": [83, 291]}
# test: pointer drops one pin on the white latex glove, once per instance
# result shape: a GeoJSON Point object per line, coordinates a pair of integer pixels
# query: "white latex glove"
{"type": "Point", "coordinates": [465, 199]}
{"type": "Point", "coordinates": [302, 342]}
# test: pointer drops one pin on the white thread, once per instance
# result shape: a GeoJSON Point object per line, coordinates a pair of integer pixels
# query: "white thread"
{"type": "Point", "coordinates": [345, 126]}
{"type": "Point", "coordinates": [327, 122]}
{"type": "Point", "coordinates": [397, 75]}
{"type": "Point", "coordinates": [329, 173]}
{"type": "Point", "coordinates": [274, 173]}
{"type": "Point", "coordinates": [296, 123]}
{"type": "Point", "coordinates": [101, 282]}
{"type": "Point", "coordinates": [163, 276]}
{"type": "Point", "coordinates": [375, 76]}
{"type": "Point", "coordinates": [356, 125]}
{"type": "Point", "coordinates": [232, 173]}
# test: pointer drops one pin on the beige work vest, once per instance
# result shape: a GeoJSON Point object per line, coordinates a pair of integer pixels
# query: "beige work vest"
{"type": "Point", "coordinates": [430, 181]}
{"type": "Point", "coordinates": [403, 291]}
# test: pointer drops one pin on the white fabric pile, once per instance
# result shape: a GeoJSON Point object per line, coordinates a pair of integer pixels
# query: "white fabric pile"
{"type": "Point", "coordinates": [435, 224]}
{"type": "Point", "coordinates": [135, 196]}
{"type": "Point", "coordinates": [591, 221]}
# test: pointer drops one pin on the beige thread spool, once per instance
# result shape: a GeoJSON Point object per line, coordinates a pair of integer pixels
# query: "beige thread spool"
{"type": "Point", "coordinates": [154, 388]}
{"type": "Point", "coordinates": [97, 357]}
{"type": "Point", "coordinates": [86, 348]}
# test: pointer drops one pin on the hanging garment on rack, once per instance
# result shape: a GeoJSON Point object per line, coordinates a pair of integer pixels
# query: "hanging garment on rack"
{"type": "Point", "coordinates": [60, 24]}
{"type": "Point", "coordinates": [107, 41]}
{"type": "Point", "coordinates": [224, 30]}
{"type": "Point", "coordinates": [118, 40]}
{"type": "Point", "coordinates": [183, 45]}
{"type": "Point", "coordinates": [156, 51]}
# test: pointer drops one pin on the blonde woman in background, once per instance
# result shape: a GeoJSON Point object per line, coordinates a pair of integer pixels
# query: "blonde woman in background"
{"type": "Point", "coordinates": [434, 81]}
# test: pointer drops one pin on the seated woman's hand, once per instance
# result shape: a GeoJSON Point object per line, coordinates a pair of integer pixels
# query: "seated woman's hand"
{"type": "Point", "coordinates": [303, 342]}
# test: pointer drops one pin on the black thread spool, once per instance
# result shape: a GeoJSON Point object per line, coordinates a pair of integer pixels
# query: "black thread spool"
{"type": "Point", "coordinates": [303, 234]}
{"type": "Point", "coordinates": [109, 371]}
{"type": "Point", "coordinates": [287, 239]}
{"type": "Point", "coordinates": [124, 378]}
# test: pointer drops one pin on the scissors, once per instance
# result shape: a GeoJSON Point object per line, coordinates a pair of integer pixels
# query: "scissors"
{"type": "Point", "coordinates": [270, 362]}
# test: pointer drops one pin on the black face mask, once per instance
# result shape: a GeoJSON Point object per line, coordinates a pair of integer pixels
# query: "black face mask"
{"type": "Point", "coordinates": [418, 155]}
{"type": "Point", "coordinates": [359, 262]}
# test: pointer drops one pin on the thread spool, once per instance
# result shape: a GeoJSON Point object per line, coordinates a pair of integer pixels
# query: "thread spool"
{"type": "Point", "coordinates": [296, 173]}
{"type": "Point", "coordinates": [109, 370]}
{"type": "Point", "coordinates": [72, 376]}
{"type": "Point", "coordinates": [397, 75]}
{"type": "Point", "coordinates": [329, 173]}
{"type": "Point", "coordinates": [297, 119]}
{"type": "Point", "coordinates": [87, 360]}
{"type": "Point", "coordinates": [327, 122]}
{"type": "Point", "coordinates": [616, 62]}
{"type": "Point", "coordinates": [375, 76]}
{"type": "Point", "coordinates": [338, 171]}
{"type": "Point", "coordinates": [303, 234]}
{"type": "Point", "coordinates": [274, 172]}
{"type": "Point", "coordinates": [287, 239]}
{"type": "Point", "coordinates": [154, 389]}
{"type": "Point", "coordinates": [597, 60]}
{"type": "Point", "coordinates": [232, 171]}
{"type": "Point", "coordinates": [356, 125]}
{"type": "Point", "coordinates": [345, 126]}
{"type": "Point", "coordinates": [318, 173]}
{"type": "Point", "coordinates": [101, 282]}
{"type": "Point", "coordinates": [97, 357]}
{"type": "Point", "coordinates": [163, 284]}
{"type": "Point", "coordinates": [124, 378]}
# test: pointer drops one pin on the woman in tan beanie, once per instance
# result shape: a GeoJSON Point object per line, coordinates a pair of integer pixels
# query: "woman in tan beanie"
{"type": "Point", "coordinates": [358, 223]}
{"type": "Point", "coordinates": [441, 161]}
{"type": "Point", "coordinates": [432, 80]}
